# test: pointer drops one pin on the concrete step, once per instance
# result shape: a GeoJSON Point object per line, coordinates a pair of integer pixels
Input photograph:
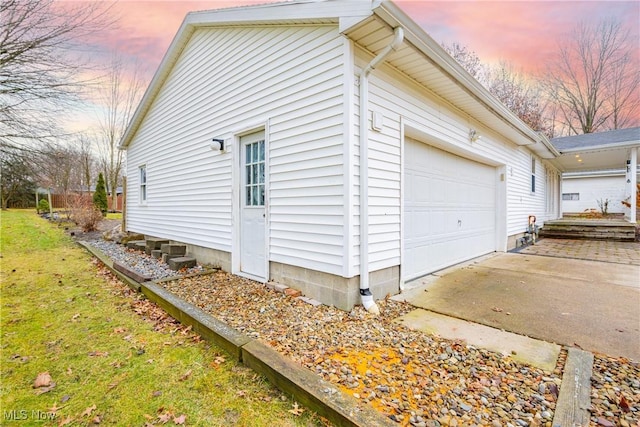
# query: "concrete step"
{"type": "Point", "coordinates": [134, 244]}
{"type": "Point", "coordinates": [166, 257]}
{"type": "Point", "coordinates": [596, 230]}
{"type": "Point", "coordinates": [173, 249]}
{"type": "Point", "coordinates": [156, 253]}
{"type": "Point", "coordinates": [594, 233]}
{"type": "Point", "coordinates": [155, 243]}
{"type": "Point", "coordinates": [179, 263]}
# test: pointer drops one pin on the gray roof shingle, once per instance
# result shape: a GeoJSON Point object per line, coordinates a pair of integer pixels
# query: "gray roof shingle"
{"type": "Point", "coordinates": [599, 139]}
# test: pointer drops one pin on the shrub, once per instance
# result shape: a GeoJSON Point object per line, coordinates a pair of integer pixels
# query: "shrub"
{"type": "Point", "coordinates": [100, 196]}
{"type": "Point", "coordinates": [85, 214]}
{"type": "Point", "coordinates": [604, 206]}
{"type": "Point", "coordinates": [43, 206]}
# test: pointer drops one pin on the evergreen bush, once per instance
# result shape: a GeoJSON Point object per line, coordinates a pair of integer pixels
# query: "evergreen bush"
{"type": "Point", "coordinates": [100, 196]}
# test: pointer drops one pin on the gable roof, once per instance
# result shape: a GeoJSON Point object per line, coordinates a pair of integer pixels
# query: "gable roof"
{"type": "Point", "coordinates": [370, 25]}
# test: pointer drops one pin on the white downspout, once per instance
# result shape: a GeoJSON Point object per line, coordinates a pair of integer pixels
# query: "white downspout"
{"type": "Point", "coordinates": [365, 294]}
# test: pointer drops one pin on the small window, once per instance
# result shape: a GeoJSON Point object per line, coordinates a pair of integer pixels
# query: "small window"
{"type": "Point", "coordinates": [143, 184]}
{"type": "Point", "coordinates": [533, 174]}
{"type": "Point", "coordinates": [570, 196]}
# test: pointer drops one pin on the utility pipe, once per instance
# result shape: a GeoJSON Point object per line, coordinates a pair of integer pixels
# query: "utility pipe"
{"type": "Point", "coordinates": [365, 294]}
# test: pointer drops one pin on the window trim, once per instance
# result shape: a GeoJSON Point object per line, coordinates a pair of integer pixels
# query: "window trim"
{"type": "Point", "coordinates": [143, 184]}
{"type": "Point", "coordinates": [569, 197]}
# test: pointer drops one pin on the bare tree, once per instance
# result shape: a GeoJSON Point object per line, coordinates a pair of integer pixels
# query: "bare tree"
{"type": "Point", "coordinates": [594, 80]}
{"type": "Point", "coordinates": [38, 72]}
{"type": "Point", "coordinates": [58, 169]}
{"type": "Point", "coordinates": [87, 162]}
{"type": "Point", "coordinates": [119, 95]}
{"type": "Point", "coordinates": [520, 94]}
{"type": "Point", "coordinates": [16, 180]}
{"type": "Point", "coordinates": [515, 90]}
{"type": "Point", "coordinates": [468, 59]}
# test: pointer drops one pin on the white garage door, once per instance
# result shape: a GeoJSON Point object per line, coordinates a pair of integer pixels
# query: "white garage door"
{"type": "Point", "coordinates": [449, 209]}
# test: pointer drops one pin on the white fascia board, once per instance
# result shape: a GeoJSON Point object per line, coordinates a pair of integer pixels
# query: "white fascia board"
{"type": "Point", "coordinates": [284, 11]}
{"type": "Point", "coordinates": [394, 16]}
{"type": "Point", "coordinates": [594, 174]}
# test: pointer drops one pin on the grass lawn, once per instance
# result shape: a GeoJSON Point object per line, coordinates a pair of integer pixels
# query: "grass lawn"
{"type": "Point", "coordinates": [79, 348]}
{"type": "Point", "coordinates": [114, 215]}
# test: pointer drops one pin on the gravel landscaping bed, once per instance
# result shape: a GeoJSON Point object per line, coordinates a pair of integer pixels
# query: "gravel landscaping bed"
{"type": "Point", "coordinates": [414, 378]}
{"type": "Point", "coordinates": [140, 261]}
{"type": "Point", "coordinates": [615, 392]}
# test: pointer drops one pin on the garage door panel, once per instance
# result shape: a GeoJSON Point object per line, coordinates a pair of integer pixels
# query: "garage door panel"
{"type": "Point", "coordinates": [449, 209]}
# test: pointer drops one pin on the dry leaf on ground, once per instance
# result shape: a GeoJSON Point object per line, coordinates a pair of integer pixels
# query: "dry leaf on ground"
{"type": "Point", "coordinates": [297, 410]}
{"type": "Point", "coordinates": [88, 411]}
{"type": "Point", "coordinates": [186, 375]}
{"type": "Point", "coordinates": [42, 380]}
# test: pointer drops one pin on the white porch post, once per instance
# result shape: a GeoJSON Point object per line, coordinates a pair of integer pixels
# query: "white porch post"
{"type": "Point", "coordinates": [633, 178]}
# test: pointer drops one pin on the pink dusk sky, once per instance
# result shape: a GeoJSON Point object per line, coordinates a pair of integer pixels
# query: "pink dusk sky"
{"type": "Point", "coordinates": [524, 33]}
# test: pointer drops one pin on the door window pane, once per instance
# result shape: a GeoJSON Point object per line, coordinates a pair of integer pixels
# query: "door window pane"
{"type": "Point", "coordinates": [254, 174]}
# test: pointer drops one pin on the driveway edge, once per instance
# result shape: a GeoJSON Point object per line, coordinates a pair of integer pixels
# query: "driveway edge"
{"type": "Point", "coordinates": [288, 376]}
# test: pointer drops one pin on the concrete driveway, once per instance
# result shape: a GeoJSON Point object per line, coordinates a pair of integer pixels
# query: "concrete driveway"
{"type": "Point", "coordinates": [594, 305]}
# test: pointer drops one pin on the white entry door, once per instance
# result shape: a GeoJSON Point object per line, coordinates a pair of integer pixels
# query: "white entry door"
{"type": "Point", "coordinates": [252, 206]}
{"type": "Point", "coordinates": [449, 209]}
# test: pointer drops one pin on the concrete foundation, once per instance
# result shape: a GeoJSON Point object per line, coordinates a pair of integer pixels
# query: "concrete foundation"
{"type": "Point", "coordinates": [331, 289]}
{"type": "Point", "coordinates": [210, 257]}
{"type": "Point", "coordinates": [512, 241]}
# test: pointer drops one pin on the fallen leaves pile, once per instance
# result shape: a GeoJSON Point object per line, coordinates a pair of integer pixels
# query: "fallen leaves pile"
{"type": "Point", "coordinates": [414, 378]}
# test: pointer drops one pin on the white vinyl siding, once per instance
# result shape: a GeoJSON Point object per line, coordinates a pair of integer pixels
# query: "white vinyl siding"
{"type": "Point", "coordinates": [225, 80]}
{"type": "Point", "coordinates": [590, 189]}
{"type": "Point", "coordinates": [398, 98]}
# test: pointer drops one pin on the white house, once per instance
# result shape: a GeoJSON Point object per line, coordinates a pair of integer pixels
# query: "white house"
{"type": "Point", "coordinates": [331, 146]}
{"type": "Point", "coordinates": [598, 167]}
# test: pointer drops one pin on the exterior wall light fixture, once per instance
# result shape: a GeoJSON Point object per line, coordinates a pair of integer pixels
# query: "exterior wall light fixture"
{"type": "Point", "coordinates": [217, 145]}
{"type": "Point", "coordinates": [473, 135]}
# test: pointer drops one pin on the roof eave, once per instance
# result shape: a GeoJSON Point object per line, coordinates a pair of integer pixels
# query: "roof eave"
{"type": "Point", "coordinates": [602, 147]}
{"type": "Point", "coordinates": [394, 16]}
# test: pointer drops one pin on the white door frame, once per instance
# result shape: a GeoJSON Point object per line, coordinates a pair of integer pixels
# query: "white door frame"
{"type": "Point", "coordinates": [237, 193]}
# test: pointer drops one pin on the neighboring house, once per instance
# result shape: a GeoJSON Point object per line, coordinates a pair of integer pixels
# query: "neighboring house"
{"type": "Point", "coordinates": [598, 167]}
{"type": "Point", "coordinates": [313, 102]}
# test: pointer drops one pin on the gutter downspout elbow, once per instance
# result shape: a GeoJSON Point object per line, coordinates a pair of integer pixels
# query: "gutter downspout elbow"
{"type": "Point", "coordinates": [365, 294]}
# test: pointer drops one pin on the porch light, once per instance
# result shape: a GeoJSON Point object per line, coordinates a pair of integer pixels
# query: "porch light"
{"type": "Point", "coordinates": [217, 145]}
